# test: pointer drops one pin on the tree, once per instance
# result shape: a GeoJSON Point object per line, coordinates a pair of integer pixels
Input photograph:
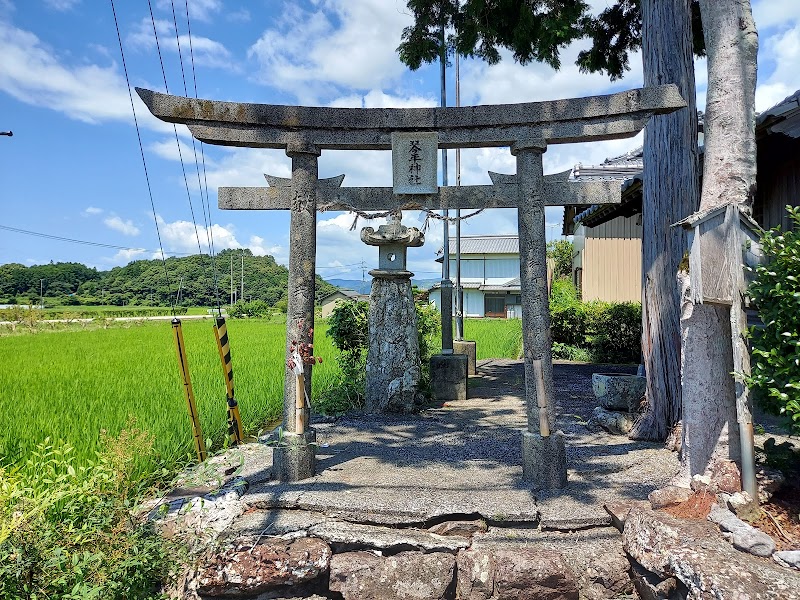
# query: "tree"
{"type": "Point", "coordinates": [668, 32]}
{"type": "Point", "coordinates": [561, 251]}
{"type": "Point", "coordinates": [710, 430]}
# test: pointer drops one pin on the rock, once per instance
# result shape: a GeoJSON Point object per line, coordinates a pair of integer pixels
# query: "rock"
{"type": "Point", "coordinates": [607, 577]}
{"type": "Point", "coordinates": [701, 483]}
{"type": "Point", "coordinates": [459, 528]}
{"type": "Point", "coordinates": [514, 574]}
{"type": "Point", "coordinates": [619, 511]}
{"type": "Point", "coordinates": [769, 482]}
{"type": "Point", "coordinates": [352, 536]}
{"type": "Point", "coordinates": [669, 495]}
{"type": "Point", "coordinates": [619, 391]}
{"type": "Point", "coordinates": [726, 477]}
{"type": "Point", "coordinates": [743, 536]}
{"type": "Point", "coordinates": [742, 506]}
{"type": "Point", "coordinates": [694, 552]}
{"type": "Point", "coordinates": [248, 568]}
{"type": "Point", "coordinates": [411, 575]}
{"type": "Point", "coordinates": [650, 586]}
{"type": "Point", "coordinates": [788, 558]}
{"type": "Point", "coordinates": [618, 423]}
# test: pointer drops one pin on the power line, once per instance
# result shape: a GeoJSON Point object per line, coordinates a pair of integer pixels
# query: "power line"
{"type": "Point", "coordinates": [84, 242]}
{"type": "Point", "coordinates": [141, 149]}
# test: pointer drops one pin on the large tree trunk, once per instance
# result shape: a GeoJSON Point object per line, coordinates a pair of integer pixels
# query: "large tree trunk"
{"type": "Point", "coordinates": [710, 430]}
{"type": "Point", "coordinates": [671, 192]}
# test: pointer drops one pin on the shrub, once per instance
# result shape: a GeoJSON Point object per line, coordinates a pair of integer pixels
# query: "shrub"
{"type": "Point", "coordinates": [66, 531]}
{"type": "Point", "coordinates": [775, 372]}
{"type": "Point", "coordinates": [564, 293]}
{"type": "Point", "coordinates": [254, 309]}
{"type": "Point", "coordinates": [617, 333]}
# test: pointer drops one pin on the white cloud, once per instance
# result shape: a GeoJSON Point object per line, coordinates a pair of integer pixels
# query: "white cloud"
{"type": "Point", "coordinates": [206, 52]}
{"type": "Point", "coordinates": [775, 13]}
{"type": "Point", "coordinates": [379, 99]}
{"type": "Point", "coordinates": [124, 227]}
{"type": "Point", "coordinates": [92, 210]}
{"type": "Point", "coordinates": [202, 10]}
{"type": "Point", "coordinates": [182, 237]}
{"type": "Point", "coordinates": [123, 257]}
{"type": "Point", "coordinates": [62, 5]}
{"type": "Point", "coordinates": [308, 54]}
{"type": "Point", "coordinates": [783, 52]}
{"type": "Point", "coordinates": [32, 73]}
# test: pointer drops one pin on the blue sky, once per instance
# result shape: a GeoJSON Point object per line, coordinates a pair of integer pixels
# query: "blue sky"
{"type": "Point", "coordinates": [73, 167]}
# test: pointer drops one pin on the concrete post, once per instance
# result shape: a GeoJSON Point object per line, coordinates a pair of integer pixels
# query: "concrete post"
{"type": "Point", "coordinates": [447, 315]}
{"type": "Point", "coordinates": [293, 458]}
{"type": "Point", "coordinates": [543, 453]}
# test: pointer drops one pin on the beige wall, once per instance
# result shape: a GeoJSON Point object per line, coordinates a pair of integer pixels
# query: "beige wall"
{"type": "Point", "coordinates": [611, 259]}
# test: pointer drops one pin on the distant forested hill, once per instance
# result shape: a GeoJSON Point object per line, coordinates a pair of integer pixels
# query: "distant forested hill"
{"type": "Point", "coordinates": [145, 282]}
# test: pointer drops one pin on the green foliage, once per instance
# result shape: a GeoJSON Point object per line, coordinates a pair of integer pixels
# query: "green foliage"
{"type": "Point", "coordinates": [532, 30]}
{"type": "Point", "coordinates": [617, 332]}
{"type": "Point", "coordinates": [66, 529]}
{"type": "Point", "coordinates": [563, 293]}
{"type": "Point", "coordinates": [153, 282]}
{"type": "Point", "coordinates": [252, 309]}
{"type": "Point", "coordinates": [348, 328]}
{"type": "Point", "coordinates": [593, 331]}
{"type": "Point", "coordinates": [561, 251]}
{"type": "Point", "coordinates": [775, 369]}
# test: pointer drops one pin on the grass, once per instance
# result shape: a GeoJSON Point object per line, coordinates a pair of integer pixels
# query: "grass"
{"type": "Point", "coordinates": [70, 385]}
{"type": "Point", "coordinates": [494, 338]}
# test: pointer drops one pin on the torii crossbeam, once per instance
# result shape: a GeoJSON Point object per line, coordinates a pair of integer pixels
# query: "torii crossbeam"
{"type": "Point", "coordinates": [527, 128]}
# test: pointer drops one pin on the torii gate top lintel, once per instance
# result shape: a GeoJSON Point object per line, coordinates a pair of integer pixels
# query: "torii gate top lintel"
{"type": "Point", "coordinates": [593, 118]}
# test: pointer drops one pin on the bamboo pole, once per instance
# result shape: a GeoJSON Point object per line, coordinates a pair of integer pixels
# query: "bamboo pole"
{"type": "Point", "coordinates": [235, 432]}
{"type": "Point", "coordinates": [197, 433]}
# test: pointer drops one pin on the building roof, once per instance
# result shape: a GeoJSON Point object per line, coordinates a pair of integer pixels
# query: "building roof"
{"type": "Point", "coordinates": [352, 294]}
{"type": "Point", "coordinates": [512, 285]}
{"type": "Point", "coordinates": [783, 118]}
{"type": "Point", "coordinates": [619, 167]}
{"type": "Point", "coordinates": [484, 244]}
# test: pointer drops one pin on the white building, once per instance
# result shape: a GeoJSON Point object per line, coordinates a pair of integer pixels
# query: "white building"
{"type": "Point", "coordinates": [489, 276]}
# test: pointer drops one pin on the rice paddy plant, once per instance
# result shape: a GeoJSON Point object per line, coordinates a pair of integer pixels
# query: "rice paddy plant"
{"type": "Point", "coordinates": [495, 338]}
{"type": "Point", "coordinates": [71, 385]}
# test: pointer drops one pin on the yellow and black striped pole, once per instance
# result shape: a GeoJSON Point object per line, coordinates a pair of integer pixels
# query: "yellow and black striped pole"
{"type": "Point", "coordinates": [197, 432]}
{"type": "Point", "coordinates": [234, 418]}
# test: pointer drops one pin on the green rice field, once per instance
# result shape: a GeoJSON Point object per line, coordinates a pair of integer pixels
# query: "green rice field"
{"type": "Point", "coordinates": [71, 384]}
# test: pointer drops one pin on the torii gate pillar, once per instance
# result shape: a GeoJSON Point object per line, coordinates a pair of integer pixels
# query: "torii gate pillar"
{"type": "Point", "coordinates": [544, 459]}
{"type": "Point", "coordinates": [294, 457]}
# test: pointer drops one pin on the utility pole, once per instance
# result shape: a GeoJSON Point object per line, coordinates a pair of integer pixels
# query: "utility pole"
{"type": "Point", "coordinates": [459, 289]}
{"type": "Point", "coordinates": [242, 296]}
{"type": "Point", "coordinates": [41, 294]}
{"type": "Point", "coordinates": [231, 278]}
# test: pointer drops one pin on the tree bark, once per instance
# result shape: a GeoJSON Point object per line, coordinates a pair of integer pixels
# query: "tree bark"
{"type": "Point", "coordinates": [710, 430]}
{"type": "Point", "coordinates": [671, 192]}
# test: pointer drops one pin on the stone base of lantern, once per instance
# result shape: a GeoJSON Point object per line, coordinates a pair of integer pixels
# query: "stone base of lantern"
{"type": "Point", "coordinates": [294, 457]}
{"type": "Point", "coordinates": [449, 377]}
{"type": "Point", "coordinates": [544, 460]}
{"type": "Point", "coordinates": [470, 350]}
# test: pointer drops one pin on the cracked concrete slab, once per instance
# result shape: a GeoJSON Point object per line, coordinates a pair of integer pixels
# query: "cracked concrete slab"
{"type": "Point", "coordinates": [464, 459]}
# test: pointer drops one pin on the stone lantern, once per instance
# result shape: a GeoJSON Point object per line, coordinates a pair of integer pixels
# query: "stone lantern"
{"type": "Point", "coordinates": [393, 360]}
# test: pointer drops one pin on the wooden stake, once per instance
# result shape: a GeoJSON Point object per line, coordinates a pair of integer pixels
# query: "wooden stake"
{"type": "Point", "coordinates": [300, 405]}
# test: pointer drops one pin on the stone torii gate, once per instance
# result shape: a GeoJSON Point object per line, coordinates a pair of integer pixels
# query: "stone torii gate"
{"type": "Point", "coordinates": [527, 128]}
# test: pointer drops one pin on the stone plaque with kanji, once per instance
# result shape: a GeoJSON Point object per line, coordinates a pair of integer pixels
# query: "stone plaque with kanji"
{"type": "Point", "coordinates": [414, 162]}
